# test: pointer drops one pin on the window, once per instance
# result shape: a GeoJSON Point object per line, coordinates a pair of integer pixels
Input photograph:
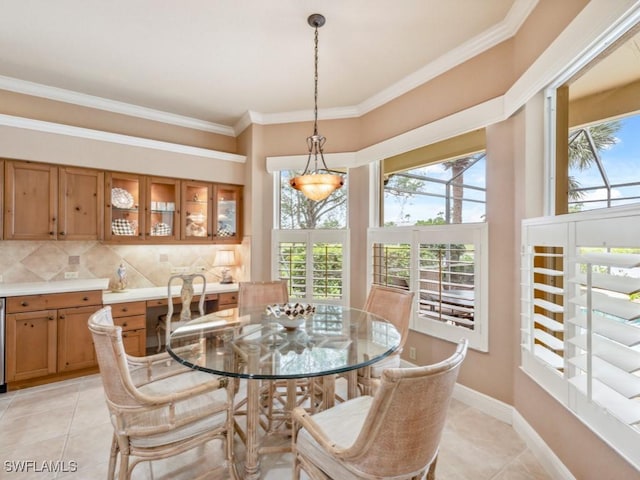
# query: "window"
{"type": "Point", "coordinates": [311, 245]}
{"type": "Point", "coordinates": [445, 266]}
{"type": "Point", "coordinates": [298, 212]}
{"type": "Point", "coordinates": [451, 191]}
{"type": "Point", "coordinates": [604, 164]}
{"type": "Point", "coordinates": [581, 318]}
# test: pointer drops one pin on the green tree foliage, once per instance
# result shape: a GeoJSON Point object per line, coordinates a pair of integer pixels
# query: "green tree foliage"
{"type": "Point", "coordinates": [298, 212]}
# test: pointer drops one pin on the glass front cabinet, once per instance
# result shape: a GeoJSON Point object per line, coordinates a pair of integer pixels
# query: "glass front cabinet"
{"type": "Point", "coordinates": [163, 209]}
{"type": "Point", "coordinates": [227, 210]}
{"type": "Point", "coordinates": [124, 212]}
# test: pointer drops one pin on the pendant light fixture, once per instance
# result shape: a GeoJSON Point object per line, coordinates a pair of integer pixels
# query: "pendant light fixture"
{"type": "Point", "coordinates": [317, 183]}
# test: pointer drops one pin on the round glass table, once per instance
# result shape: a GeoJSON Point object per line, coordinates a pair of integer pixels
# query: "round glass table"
{"type": "Point", "coordinates": [256, 344]}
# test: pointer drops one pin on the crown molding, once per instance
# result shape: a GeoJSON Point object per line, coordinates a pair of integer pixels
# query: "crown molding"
{"type": "Point", "coordinates": [480, 43]}
{"type": "Point", "coordinates": [100, 103]}
{"type": "Point", "coordinates": [79, 132]}
{"type": "Point", "coordinates": [502, 31]}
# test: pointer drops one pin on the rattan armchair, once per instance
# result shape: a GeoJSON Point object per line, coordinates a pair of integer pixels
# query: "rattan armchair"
{"type": "Point", "coordinates": [393, 435]}
{"type": "Point", "coordinates": [394, 305]}
{"type": "Point", "coordinates": [158, 407]}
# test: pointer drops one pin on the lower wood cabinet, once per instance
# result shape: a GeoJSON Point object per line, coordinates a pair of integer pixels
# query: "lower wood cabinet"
{"type": "Point", "coordinates": [132, 317]}
{"type": "Point", "coordinates": [48, 334]}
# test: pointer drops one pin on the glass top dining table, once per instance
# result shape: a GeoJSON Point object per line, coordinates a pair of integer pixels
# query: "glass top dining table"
{"type": "Point", "coordinates": [257, 345]}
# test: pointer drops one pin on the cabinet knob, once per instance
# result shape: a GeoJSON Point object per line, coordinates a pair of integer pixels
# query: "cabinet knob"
{"type": "Point", "coordinates": [125, 309]}
{"type": "Point", "coordinates": [62, 317]}
{"type": "Point", "coordinates": [124, 324]}
{"type": "Point", "coordinates": [24, 304]}
{"type": "Point", "coordinates": [51, 233]}
{"type": "Point", "coordinates": [85, 299]}
{"type": "Point", "coordinates": [62, 234]}
{"type": "Point", "coordinates": [51, 317]}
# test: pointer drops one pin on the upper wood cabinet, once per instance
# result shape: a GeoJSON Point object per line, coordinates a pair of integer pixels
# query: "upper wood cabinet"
{"type": "Point", "coordinates": [48, 202]}
{"type": "Point", "coordinates": [124, 207]}
{"type": "Point", "coordinates": [45, 202]}
{"type": "Point", "coordinates": [228, 213]}
{"type": "Point", "coordinates": [197, 211]}
{"type": "Point", "coordinates": [162, 209]}
{"type": "Point", "coordinates": [80, 204]}
{"type": "Point", "coordinates": [30, 201]}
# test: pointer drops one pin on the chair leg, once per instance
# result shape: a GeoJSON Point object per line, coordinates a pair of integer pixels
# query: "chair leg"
{"type": "Point", "coordinates": [113, 457]}
{"type": "Point", "coordinates": [431, 474]}
{"type": "Point", "coordinates": [124, 473]}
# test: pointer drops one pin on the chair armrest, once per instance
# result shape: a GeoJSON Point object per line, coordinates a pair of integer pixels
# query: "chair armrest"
{"type": "Point", "coordinates": [161, 365]}
{"type": "Point", "coordinates": [302, 419]}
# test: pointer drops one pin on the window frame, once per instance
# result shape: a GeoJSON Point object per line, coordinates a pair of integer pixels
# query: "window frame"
{"type": "Point", "coordinates": [467, 233]}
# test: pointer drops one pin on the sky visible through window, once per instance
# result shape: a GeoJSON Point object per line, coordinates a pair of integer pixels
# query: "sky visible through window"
{"type": "Point", "coordinates": [429, 203]}
{"type": "Point", "coordinates": [621, 163]}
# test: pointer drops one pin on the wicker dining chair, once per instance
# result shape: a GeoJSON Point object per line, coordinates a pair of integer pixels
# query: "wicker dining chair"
{"type": "Point", "coordinates": [274, 393]}
{"type": "Point", "coordinates": [393, 435]}
{"type": "Point", "coordinates": [394, 305]}
{"type": "Point", "coordinates": [158, 407]}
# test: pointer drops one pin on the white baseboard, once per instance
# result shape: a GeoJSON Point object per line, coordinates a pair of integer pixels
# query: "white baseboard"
{"type": "Point", "coordinates": [507, 414]}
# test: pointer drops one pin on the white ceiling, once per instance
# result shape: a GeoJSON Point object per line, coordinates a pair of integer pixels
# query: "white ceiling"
{"type": "Point", "coordinates": [217, 60]}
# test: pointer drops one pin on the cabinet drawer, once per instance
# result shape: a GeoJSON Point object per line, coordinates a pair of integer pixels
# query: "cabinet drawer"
{"type": "Point", "coordinates": [162, 302]}
{"type": "Point", "coordinates": [228, 298]}
{"type": "Point", "coordinates": [30, 303]}
{"type": "Point", "coordinates": [131, 323]}
{"type": "Point", "coordinates": [128, 309]}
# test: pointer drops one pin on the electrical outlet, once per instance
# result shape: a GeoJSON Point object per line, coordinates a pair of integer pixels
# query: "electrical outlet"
{"type": "Point", "coordinates": [412, 353]}
{"type": "Point", "coordinates": [69, 275]}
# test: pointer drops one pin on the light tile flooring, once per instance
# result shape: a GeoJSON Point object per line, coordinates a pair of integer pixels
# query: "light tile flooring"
{"type": "Point", "coordinates": [66, 426]}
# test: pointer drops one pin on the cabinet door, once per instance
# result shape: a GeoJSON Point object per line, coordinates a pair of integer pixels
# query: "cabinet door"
{"type": "Point", "coordinates": [163, 209]}
{"type": "Point", "coordinates": [75, 344]}
{"type": "Point", "coordinates": [227, 211]}
{"type": "Point", "coordinates": [30, 201]}
{"type": "Point", "coordinates": [197, 211]}
{"type": "Point", "coordinates": [124, 212]}
{"type": "Point", "coordinates": [31, 344]}
{"type": "Point", "coordinates": [134, 342]}
{"type": "Point", "coordinates": [80, 204]}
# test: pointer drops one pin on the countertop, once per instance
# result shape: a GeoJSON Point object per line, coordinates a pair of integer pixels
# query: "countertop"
{"type": "Point", "coordinates": [154, 293]}
{"type": "Point", "coordinates": [108, 297]}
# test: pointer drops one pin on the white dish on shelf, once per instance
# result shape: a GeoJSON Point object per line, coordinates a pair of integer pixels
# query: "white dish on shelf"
{"type": "Point", "coordinates": [120, 198]}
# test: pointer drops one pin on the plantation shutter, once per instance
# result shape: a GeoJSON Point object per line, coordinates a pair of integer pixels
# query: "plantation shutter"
{"type": "Point", "coordinates": [605, 358]}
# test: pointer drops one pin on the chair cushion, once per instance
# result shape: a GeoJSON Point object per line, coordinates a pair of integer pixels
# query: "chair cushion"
{"type": "Point", "coordinates": [392, 361]}
{"type": "Point", "coordinates": [341, 424]}
{"type": "Point", "coordinates": [200, 413]}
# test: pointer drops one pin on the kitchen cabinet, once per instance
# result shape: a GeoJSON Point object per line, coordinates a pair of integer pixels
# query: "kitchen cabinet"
{"type": "Point", "coordinates": [48, 334]}
{"type": "Point", "coordinates": [163, 209]}
{"type": "Point", "coordinates": [30, 201]}
{"type": "Point", "coordinates": [80, 204]}
{"type": "Point", "coordinates": [227, 212]}
{"type": "Point", "coordinates": [211, 212]}
{"type": "Point", "coordinates": [131, 316]}
{"type": "Point", "coordinates": [45, 202]}
{"type": "Point", "coordinates": [124, 207]}
{"type": "Point", "coordinates": [197, 211]}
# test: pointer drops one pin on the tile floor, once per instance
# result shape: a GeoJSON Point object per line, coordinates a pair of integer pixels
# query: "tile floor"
{"type": "Point", "coordinates": [68, 422]}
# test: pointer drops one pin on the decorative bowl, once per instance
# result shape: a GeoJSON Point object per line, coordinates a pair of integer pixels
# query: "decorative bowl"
{"type": "Point", "coordinates": [291, 315]}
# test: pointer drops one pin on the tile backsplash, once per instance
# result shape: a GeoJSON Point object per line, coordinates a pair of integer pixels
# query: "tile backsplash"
{"type": "Point", "coordinates": [147, 265]}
